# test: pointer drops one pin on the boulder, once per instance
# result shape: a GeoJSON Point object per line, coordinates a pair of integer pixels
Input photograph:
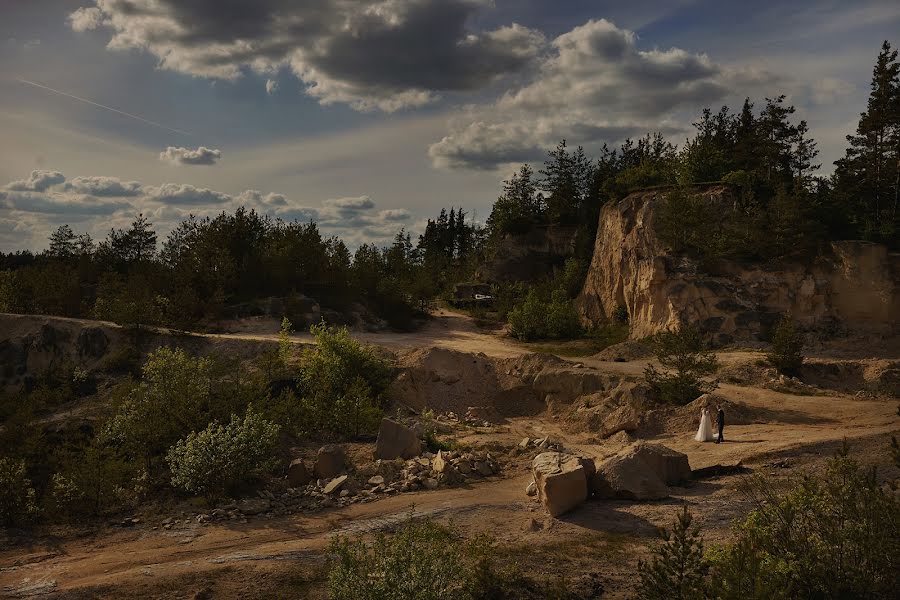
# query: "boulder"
{"type": "Point", "coordinates": [561, 481]}
{"type": "Point", "coordinates": [627, 478]}
{"type": "Point", "coordinates": [334, 486]}
{"type": "Point", "coordinates": [396, 441]}
{"type": "Point", "coordinates": [297, 473]}
{"type": "Point", "coordinates": [624, 418]}
{"type": "Point", "coordinates": [330, 461]}
{"type": "Point", "coordinates": [641, 472]}
{"type": "Point", "coordinates": [669, 465]}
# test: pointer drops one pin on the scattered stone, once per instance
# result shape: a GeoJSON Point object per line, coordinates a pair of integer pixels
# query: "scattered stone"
{"type": "Point", "coordinates": [523, 445]}
{"type": "Point", "coordinates": [396, 441]}
{"type": "Point", "coordinates": [531, 489]}
{"type": "Point", "coordinates": [431, 483]}
{"type": "Point", "coordinates": [439, 464]}
{"type": "Point", "coordinates": [335, 485]}
{"type": "Point", "coordinates": [297, 473]}
{"type": "Point", "coordinates": [560, 481]}
{"type": "Point", "coordinates": [330, 461]}
{"type": "Point", "coordinates": [376, 480]}
{"type": "Point", "coordinates": [254, 506]}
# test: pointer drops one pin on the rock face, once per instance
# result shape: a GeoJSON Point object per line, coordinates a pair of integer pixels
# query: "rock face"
{"type": "Point", "coordinates": [561, 481]}
{"type": "Point", "coordinates": [396, 441]}
{"type": "Point", "coordinates": [855, 285]}
{"type": "Point", "coordinates": [330, 461]}
{"type": "Point", "coordinates": [641, 472]}
{"type": "Point", "coordinates": [529, 256]}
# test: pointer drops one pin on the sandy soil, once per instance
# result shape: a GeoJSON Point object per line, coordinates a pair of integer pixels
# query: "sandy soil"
{"type": "Point", "coordinates": [605, 536]}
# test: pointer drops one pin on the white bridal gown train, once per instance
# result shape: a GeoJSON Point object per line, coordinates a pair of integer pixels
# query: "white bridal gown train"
{"type": "Point", "coordinates": [705, 431]}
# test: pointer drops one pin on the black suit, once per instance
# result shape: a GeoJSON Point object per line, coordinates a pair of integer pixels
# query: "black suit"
{"type": "Point", "coordinates": [720, 419]}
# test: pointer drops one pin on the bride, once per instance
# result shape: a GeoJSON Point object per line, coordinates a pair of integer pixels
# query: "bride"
{"type": "Point", "coordinates": [705, 431]}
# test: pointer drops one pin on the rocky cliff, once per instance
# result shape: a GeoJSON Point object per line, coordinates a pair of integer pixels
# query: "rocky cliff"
{"type": "Point", "coordinates": [852, 285]}
{"type": "Point", "coordinates": [529, 256]}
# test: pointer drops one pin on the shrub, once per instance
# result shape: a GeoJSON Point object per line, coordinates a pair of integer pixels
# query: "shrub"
{"type": "Point", "coordinates": [831, 536]}
{"type": "Point", "coordinates": [214, 460]}
{"type": "Point", "coordinates": [284, 341]}
{"type": "Point", "coordinates": [17, 504]}
{"type": "Point", "coordinates": [787, 347]}
{"type": "Point", "coordinates": [421, 561]}
{"type": "Point", "coordinates": [535, 319]}
{"type": "Point", "coordinates": [683, 353]}
{"type": "Point", "coordinates": [342, 383]}
{"type": "Point", "coordinates": [677, 569]}
{"type": "Point", "coordinates": [172, 399]}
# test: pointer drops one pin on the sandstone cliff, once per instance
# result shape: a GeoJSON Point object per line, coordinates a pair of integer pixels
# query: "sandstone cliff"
{"type": "Point", "coordinates": [853, 285]}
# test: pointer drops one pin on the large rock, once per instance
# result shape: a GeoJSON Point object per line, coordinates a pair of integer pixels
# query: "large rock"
{"type": "Point", "coordinates": [330, 461]}
{"type": "Point", "coordinates": [623, 418]}
{"type": "Point", "coordinates": [669, 465]}
{"type": "Point", "coordinates": [641, 472]}
{"type": "Point", "coordinates": [561, 481]}
{"type": "Point", "coordinates": [396, 441]}
{"type": "Point", "coordinates": [297, 473]}
{"type": "Point", "coordinates": [853, 283]}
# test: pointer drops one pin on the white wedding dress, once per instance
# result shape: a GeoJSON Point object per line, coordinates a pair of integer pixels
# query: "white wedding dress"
{"type": "Point", "coordinates": [705, 431]}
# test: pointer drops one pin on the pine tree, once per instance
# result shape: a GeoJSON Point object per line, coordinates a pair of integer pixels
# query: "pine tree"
{"type": "Point", "coordinates": [62, 242]}
{"type": "Point", "coordinates": [868, 177]}
{"type": "Point", "coordinates": [678, 568]}
{"type": "Point", "coordinates": [805, 152]}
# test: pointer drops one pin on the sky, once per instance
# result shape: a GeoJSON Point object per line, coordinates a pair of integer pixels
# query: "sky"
{"type": "Point", "coordinates": [369, 116]}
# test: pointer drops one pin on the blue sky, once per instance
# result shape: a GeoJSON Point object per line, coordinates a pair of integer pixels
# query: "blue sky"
{"type": "Point", "coordinates": [371, 116]}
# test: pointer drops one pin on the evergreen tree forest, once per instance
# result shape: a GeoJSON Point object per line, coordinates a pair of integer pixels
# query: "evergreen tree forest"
{"type": "Point", "coordinates": [782, 208]}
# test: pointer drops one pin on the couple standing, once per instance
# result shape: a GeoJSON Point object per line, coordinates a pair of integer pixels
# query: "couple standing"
{"type": "Point", "coordinates": [705, 431]}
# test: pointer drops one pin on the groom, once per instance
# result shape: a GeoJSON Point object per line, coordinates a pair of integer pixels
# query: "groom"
{"type": "Point", "coordinates": [720, 420]}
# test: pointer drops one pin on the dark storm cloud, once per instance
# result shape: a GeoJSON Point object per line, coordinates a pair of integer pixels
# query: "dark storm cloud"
{"type": "Point", "coordinates": [372, 55]}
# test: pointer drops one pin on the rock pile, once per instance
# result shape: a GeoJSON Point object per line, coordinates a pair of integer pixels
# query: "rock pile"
{"type": "Point", "coordinates": [639, 472]}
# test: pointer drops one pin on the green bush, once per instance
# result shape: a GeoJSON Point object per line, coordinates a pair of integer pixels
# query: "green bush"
{"type": "Point", "coordinates": [677, 569]}
{"type": "Point", "coordinates": [835, 535]}
{"type": "Point", "coordinates": [421, 561]}
{"type": "Point", "coordinates": [17, 505]}
{"type": "Point", "coordinates": [787, 347]}
{"type": "Point", "coordinates": [683, 353]}
{"type": "Point", "coordinates": [342, 383]}
{"type": "Point", "coordinates": [536, 319]}
{"type": "Point", "coordinates": [172, 399]}
{"type": "Point", "coordinates": [212, 461]}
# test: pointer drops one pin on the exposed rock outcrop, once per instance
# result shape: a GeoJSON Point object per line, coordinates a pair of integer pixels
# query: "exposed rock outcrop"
{"type": "Point", "coordinates": [529, 256]}
{"type": "Point", "coordinates": [855, 285]}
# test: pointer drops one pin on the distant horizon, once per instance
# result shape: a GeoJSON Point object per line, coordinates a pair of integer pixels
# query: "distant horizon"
{"type": "Point", "coordinates": [368, 121]}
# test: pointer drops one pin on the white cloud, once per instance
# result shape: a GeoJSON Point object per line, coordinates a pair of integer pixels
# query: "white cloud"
{"type": "Point", "coordinates": [186, 156]}
{"type": "Point", "coordinates": [271, 86]}
{"type": "Point", "coordinates": [37, 181]}
{"type": "Point", "coordinates": [596, 85]}
{"type": "Point", "coordinates": [86, 19]}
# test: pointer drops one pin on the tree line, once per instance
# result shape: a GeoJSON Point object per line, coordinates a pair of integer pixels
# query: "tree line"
{"type": "Point", "coordinates": [205, 266]}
